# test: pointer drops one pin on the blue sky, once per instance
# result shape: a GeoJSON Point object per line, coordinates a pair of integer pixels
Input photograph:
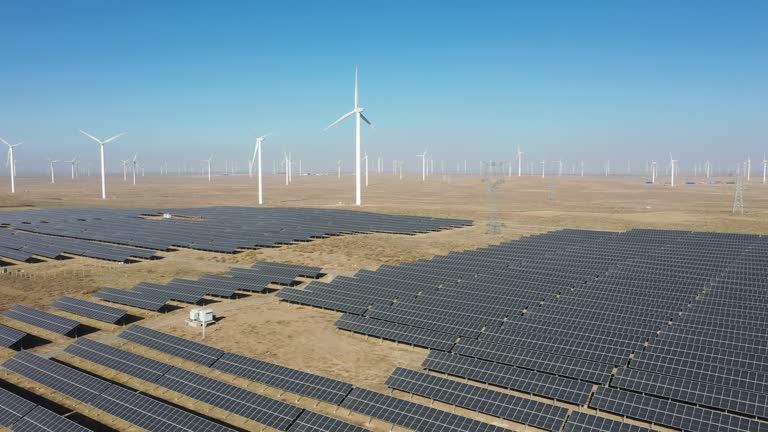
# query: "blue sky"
{"type": "Point", "coordinates": [470, 80]}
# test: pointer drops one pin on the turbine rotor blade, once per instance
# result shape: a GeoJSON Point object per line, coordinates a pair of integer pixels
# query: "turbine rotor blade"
{"type": "Point", "coordinates": [4, 141]}
{"type": "Point", "coordinates": [90, 136]}
{"type": "Point", "coordinates": [114, 137]}
{"type": "Point", "coordinates": [366, 120]}
{"type": "Point", "coordinates": [341, 119]}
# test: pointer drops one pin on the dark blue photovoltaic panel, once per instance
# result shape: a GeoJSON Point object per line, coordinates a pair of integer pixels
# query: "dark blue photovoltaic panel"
{"type": "Point", "coordinates": [173, 345]}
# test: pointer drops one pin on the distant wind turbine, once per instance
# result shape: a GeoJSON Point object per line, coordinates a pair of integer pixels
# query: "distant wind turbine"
{"type": "Point", "coordinates": [358, 112]}
{"type": "Point", "coordinates": [208, 161]}
{"type": "Point", "coordinates": [101, 147]}
{"type": "Point", "coordinates": [365, 158]}
{"type": "Point", "coordinates": [257, 160]}
{"type": "Point", "coordinates": [338, 167]}
{"type": "Point", "coordinates": [519, 162]}
{"type": "Point", "coordinates": [672, 164]}
{"type": "Point", "coordinates": [74, 165]}
{"type": "Point", "coordinates": [51, 162]}
{"type": "Point", "coordinates": [134, 168]}
{"type": "Point", "coordinates": [11, 163]}
{"type": "Point", "coordinates": [423, 157]}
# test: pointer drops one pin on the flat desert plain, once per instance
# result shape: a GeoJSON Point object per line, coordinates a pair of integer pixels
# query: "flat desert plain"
{"type": "Point", "coordinates": [302, 337]}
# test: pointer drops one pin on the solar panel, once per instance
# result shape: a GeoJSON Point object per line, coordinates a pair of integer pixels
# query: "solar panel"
{"type": "Point", "coordinates": [210, 287]}
{"type": "Point", "coordinates": [292, 380]}
{"type": "Point", "coordinates": [299, 270]}
{"type": "Point", "coordinates": [151, 414]}
{"type": "Point", "coordinates": [10, 336]}
{"type": "Point", "coordinates": [492, 402]}
{"type": "Point", "coordinates": [114, 358]}
{"type": "Point", "coordinates": [511, 377]}
{"type": "Point", "coordinates": [44, 320]}
{"type": "Point", "coordinates": [411, 415]}
{"type": "Point", "coordinates": [171, 292]}
{"type": "Point", "coordinates": [341, 304]}
{"type": "Point", "coordinates": [12, 407]}
{"type": "Point", "coordinates": [668, 413]}
{"type": "Point", "coordinates": [310, 421]}
{"type": "Point", "coordinates": [88, 309]}
{"type": "Point", "coordinates": [173, 345]}
{"type": "Point", "coordinates": [397, 332]}
{"type": "Point", "coordinates": [73, 383]}
{"type": "Point", "coordinates": [42, 420]}
{"type": "Point", "coordinates": [583, 422]}
{"type": "Point", "coordinates": [237, 400]}
{"type": "Point", "coordinates": [130, 298]}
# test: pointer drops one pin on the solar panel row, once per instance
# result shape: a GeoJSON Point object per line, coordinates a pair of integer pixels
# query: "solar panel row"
{"type": "Point", "coordinates": [20, 415]}
{"type": "Point", "coordinates": [120, 402]}
{"type": "Point", "coordinates": [88, 309]}
{"type": "Point", "coordinates": [10, 336]}
{"type": "Point", "coordinates": [42, 319]}
{"type": "Point", "coordinates": [219, 229]}
{"type": "Point", "coordinates": [492, 402]}
{"type": "Point", "coordinates": [231, 398]}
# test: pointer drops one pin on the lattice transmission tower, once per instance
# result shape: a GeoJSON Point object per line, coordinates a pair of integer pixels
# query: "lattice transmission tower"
{"type": "Point", "coordinates": [738, 198]}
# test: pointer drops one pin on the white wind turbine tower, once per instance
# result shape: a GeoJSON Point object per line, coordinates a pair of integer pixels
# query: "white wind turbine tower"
{"type": "Point", "coordinates": [365, 158]}
{"type": "Point", "coordinates": [423, 157]}
{"type": "Point", "coordinates": [543, 168]}
{"type": "Point", "coordinates": [358, 112]}
{"type": "Point", "coordinates": [257, 159]}
{"type": "Point", "coordinates": [208, 161]}
{"type": "Point", "coordinates": [101, 147]}
{"type": "Point", "coordinates": [134, 167]}
{"type": "Point", "coordinates": [338, 167]}
{"type": "Point", "coordinates": [125, 168]}
{"type": "Point", "coordinates": [582, 168]}
{"type": "Point", "coordinates": [74, 164]}
{"type": "Point", "coordinates": [749, 169]}
{"type": "Point", "coordinates": [519, 162]}
{"type": "Point", "coordinates": [672, 164]}
{"type": "Point", "coordinates": [11, 163]}
{"type": "Point", "coordinates": [287, 168]}
{"type": "Point", "coordinates": [560, 168]}
{"type": "Point", "coordinates": [51, 162]}
{"type": "Point", "coordinates": [765, 167]}
{"type": "Point", "coordinates": [653, 172]}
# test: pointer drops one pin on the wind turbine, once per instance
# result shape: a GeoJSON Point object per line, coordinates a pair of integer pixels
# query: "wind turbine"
{"type": "Point", "coordinates": [519, 162]}
{"type": "Point", "coordinates": [125, 168]}
{"type": "Point", "coordinates": [257, 159]}
{"type": "Point", "coordinates": [101, 147]}
{"type": "Point", "coordinates": [338, 166]}
{"type": "Point", "coordinates": [287, 168]}
{"type": "Point", "coordinates": [51, 162]}
{"type": "Point", "coordinates": [358, 112]}
{"type": "Point", "coordinates": [543, 166]}
{"type": "Point", "coordinates": [423, 157]}
{"type": "Point", "coordinates": [74, 164]}
{"type": "Point", "coordinates": [653, 172]}
{"type": "Point", "coordinates": [134, 168]}
{"type": "Point", "coordinates": [208, 161]}
{"type": "Point", "coordinates": [672, 163]}
{"type": "Point", "coordinates": [365, 158]}
{"type": "Point", "coordinates": [11, 163]}
{"type": "Point", "coordinates": [765, 166]}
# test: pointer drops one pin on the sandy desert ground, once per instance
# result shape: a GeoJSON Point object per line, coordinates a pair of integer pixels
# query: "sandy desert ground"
{"type": "Point", "coordinates": [302, 337]}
